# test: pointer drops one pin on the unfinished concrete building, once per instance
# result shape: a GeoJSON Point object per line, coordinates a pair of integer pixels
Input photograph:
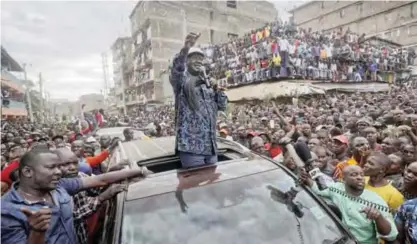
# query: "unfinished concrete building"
{"type": "Point", "coordinates": [392, 20]}
{"type": "Point", "coordinates": [158, 32]}
{"type": "Point", "coordinates": [122, 71]}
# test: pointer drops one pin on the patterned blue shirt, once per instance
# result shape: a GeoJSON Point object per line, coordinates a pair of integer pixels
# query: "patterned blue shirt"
{"type": "Point", "coordinates": [196, 130]}
{"type": "Point", "coordinates": [14, 225]}
{"type": "Point", "coordinates": [407, 217]}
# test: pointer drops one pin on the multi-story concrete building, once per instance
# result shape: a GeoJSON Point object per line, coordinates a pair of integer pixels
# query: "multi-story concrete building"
{"type": "Point", "coordinates": [13, 89]}
{"type": "Point", "coordinates": [392, 20]}
{"type": "Point", "coordinates": [158, 31]}
{"type": "Point", "coordinates": [122, 71]}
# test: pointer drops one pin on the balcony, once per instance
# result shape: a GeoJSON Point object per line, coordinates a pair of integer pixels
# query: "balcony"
{"type": "Point", "coordinates": [11, 81]}
{"type": "Point", "coordinates": [133, 100]}
{"type": "Point", "coordinates": [16, 104]}
{"type": "Point", "coordinates": [144, 77]}
{"type": "Point", "coordinates": [128, 65]}
{"type": "Point", "coordinates": [14, 108]}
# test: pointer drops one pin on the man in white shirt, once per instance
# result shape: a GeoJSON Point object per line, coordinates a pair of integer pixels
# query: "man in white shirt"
{"type": "Point", "coordinates": [284, 46]}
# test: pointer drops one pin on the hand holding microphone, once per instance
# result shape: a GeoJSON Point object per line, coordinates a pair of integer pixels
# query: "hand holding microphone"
{"type": "Point", "coordinates": [205, 77]}
{"type": "Point", "coordinates": [210, 82]}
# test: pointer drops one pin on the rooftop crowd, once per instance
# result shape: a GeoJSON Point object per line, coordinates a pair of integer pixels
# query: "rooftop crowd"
{"type": "Point", "coordinates": [280, 50]}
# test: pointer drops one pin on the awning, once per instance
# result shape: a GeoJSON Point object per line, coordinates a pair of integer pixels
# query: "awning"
{"type": "Point", "coordinates": [13, 111]}
{"type": "Point", "coordinates": [269, 90]}
{"type": "Point", "coordinates": [354, 87]}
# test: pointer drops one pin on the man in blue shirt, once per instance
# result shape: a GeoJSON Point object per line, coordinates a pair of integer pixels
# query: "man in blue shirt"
{"type": "Point", "coordinates": [197, 102]}
{"type": "Point", "coordinates": [38, 209]}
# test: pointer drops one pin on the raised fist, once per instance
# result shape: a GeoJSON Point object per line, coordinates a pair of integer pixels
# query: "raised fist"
{"type": "Point", "coordinates": [191, 39]}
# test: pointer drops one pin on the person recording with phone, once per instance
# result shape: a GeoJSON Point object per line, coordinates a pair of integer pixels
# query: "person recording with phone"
{"type": "Point", "coordinates": [197, 102]}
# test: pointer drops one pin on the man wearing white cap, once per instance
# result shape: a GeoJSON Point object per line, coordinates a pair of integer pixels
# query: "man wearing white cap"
{"type": "Point", "coordinates": [197, 102]}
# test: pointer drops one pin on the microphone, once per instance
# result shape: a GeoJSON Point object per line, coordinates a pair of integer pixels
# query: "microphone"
{"type": "Point", "coordinates": [304, 153]}
{"type": "Point", "coordinates": [205, 77]}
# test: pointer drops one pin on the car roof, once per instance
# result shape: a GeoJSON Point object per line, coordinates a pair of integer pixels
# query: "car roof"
{"type": "Point", "coordinates": [138, 150]}
{"type": "Point", "coordinates": [169, 181]}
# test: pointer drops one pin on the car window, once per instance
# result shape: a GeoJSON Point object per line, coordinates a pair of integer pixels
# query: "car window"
{"type": "Point", "coordinates": [243, 210]}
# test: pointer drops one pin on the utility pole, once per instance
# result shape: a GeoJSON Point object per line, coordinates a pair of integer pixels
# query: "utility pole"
{"type": "Point", "coordinates": [48, 105]}
{"type": "Point", "coordinates": [42, 101]}
{"type": "Point", "coordinates": [27, 92]}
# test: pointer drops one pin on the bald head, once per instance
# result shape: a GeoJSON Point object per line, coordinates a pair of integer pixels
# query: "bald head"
{"type": "Point", "coordinates": [354, 179]}
{"type": "Point", "coordinates": [64, 154]}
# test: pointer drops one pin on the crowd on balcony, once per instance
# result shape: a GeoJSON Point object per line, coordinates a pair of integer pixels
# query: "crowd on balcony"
{"type": "Point", "coordinates": [280, 50]}
{"type": "Point", "coordinates": [8, 95]}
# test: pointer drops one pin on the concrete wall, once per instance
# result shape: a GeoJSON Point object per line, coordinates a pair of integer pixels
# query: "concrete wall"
{"type": "Point", "coordinates": [369, 17]}
{"type": "Point", "coordinates": [63, 108]}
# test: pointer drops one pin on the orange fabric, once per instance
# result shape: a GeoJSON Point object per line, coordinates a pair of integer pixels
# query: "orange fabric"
{"type": "Point", "coordinates": [98, 159]}
{"type": "Point", "coordinates": [338, 172]}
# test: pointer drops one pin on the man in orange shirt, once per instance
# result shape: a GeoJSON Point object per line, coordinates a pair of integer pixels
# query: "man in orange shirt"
{"type": "Point", "coordinates": [360, 152]}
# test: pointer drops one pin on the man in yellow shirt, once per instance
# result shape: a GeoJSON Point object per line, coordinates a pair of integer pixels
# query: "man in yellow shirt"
{"type": "Point", "coordinates": [375, 168]}
{"type": "Point", "coordinates": [276, 59]}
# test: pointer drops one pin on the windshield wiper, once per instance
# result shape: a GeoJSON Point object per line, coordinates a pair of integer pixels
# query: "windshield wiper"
{"type": "Point", "coordinates": [287, 198]}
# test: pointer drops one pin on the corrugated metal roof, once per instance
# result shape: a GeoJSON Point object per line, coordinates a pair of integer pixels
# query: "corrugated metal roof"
{"type": "Point", "coordinates": [270, 90]}
{"type": "Point", "coordinates": [354, 87]}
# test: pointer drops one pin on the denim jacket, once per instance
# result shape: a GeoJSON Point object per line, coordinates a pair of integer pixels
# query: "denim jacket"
{"type": "Point", "coordinates": [14, 226]}
{"type": "Point", "coordinates": [196, 130]}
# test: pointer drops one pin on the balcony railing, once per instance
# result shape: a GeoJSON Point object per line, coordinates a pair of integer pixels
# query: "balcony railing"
{"type": "Point", "coordinates": [11, 81]}
{"type": "Point", "coordinates": [15, 104]}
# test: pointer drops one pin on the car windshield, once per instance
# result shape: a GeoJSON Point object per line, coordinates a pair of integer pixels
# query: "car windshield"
{"type": "Point", "coordinates": [242, 210]}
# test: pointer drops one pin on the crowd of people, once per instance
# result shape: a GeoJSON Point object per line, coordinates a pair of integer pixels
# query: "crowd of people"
{"type": "Point", "coordinates": [282, 50]}
{"type": "Point", "coordinates": [364, 145]}
{"type": "Point", "coordinates": [366, 141]}
{"type": "Point", "coordinates": [41, 165]}
{"type": "Point", "coordinates": [56, 180]}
